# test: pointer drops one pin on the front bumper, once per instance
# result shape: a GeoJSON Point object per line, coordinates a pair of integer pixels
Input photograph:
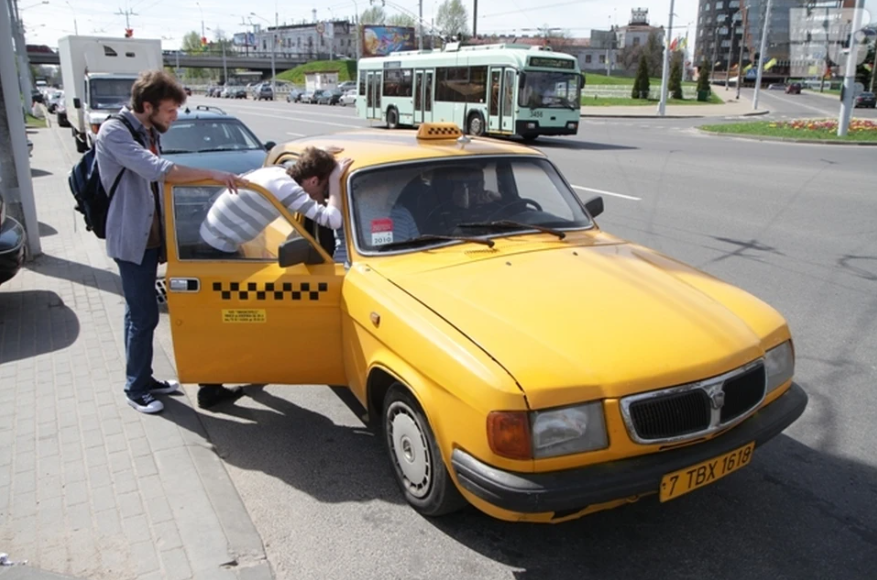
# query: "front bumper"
{"type": "Point", "coordinates": [576, 489]}
{"type": "Point", "coordinates": [11, 249]}
{"type": "Point", "coordinates": [523, 128]}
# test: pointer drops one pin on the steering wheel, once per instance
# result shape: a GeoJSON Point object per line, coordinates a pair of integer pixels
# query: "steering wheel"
{"type": "Point", "coordinates": [505, 210]}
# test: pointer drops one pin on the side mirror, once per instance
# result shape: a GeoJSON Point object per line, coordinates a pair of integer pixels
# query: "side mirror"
{"type": "Point", "coordinates": [77, 104]}
{"type": "Point", "coordinates": [594, 206]}
{"type": "Point", "coordinates": [270, 145]}
{"type": "Point", "coordinates": [298, 251]}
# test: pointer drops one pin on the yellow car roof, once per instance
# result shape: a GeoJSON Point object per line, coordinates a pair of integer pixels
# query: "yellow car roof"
{"type": "Point", "coordinates": [370, 147]}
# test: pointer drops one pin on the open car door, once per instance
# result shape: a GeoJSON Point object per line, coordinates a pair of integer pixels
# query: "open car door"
{"type": "Point", "coordinates": [268, 313]}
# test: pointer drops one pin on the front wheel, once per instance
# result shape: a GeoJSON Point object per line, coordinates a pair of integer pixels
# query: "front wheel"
{"type": "Point", "coordinates": [392, 119]}
{"type": "Point", "coordinates": [414, 455]}
{"type": "Point", "coordinates": [475, 125]}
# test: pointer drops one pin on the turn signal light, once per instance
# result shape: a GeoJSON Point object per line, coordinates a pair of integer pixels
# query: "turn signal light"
{"type": "Point", "coordinates": [508, 433]}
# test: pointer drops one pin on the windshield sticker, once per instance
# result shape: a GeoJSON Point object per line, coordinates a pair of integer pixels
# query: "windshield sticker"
{"type": "Point", "coordinates": [382, 231]}
{"type": "Point", "coordinates": [244, 317]}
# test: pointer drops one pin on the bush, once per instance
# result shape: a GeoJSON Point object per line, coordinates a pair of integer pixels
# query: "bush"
{"type": "Point", "coordinates": [703, 79]}
{"type": "Point", "coordinates": [641, 85]}
{"type": "Point", "coordinates": [676, 76]}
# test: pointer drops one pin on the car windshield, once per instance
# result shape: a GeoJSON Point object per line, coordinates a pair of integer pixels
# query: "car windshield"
{"type": "Point", "coordinates": [110, 93]}
{"type": "Point", "coordinates": [203, 135]}
{"type": "Point", "coordinates": [557, 90]}
{"type": "Point", "coordinates": [478, 197]}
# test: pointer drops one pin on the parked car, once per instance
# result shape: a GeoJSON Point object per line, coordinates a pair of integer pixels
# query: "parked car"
{"type": "Point", "coordinates": [294, 96]}
{"type": "Point", "coordinates": [265, 92]}
{"type": "Point", "coordinates": [348, 98]}
{"type": "Point", "coordinates": [793, 89]}
{"type": "Point", "coordinates": [308, 97]}
{"type": "Point", "coordinates": [209, 138]}
{"type": "Point", "coordinates": [346, 86]}
{"type": "Point", "coordinates": [776, 87]}
{"type": "Point", "coordinates": [329, 97]}
{"type": "Point", "coordinates": [54, 99]}
{"type": "Point", "coordinates": [866, 100]}
{"type": "Point", "coordinates": [508, 351]}
{"type": "Point", "coordinates": [239, 93]}
{"type": "Point", "coordinates": [11, 245]}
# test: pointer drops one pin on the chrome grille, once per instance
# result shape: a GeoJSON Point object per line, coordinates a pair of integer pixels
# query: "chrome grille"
{"type": "Point", "coordinates": [696, 409]}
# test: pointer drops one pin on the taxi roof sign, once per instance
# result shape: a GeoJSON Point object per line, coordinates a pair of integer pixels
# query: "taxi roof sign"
{"type": "Point", "coordinates": [439, 131]}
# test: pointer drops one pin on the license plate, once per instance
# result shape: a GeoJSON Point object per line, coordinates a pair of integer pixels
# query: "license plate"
{"type": "Point", "coordinates": [690, 478]}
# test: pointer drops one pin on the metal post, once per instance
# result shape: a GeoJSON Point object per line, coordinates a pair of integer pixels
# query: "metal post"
{"type": "Point", "coordinates": [474, 17]}
{"type": "Point", "coordinates": [665, 72]}
{"type": "Point", "coordinates": [732, 35]}
{"type": "Point", "coordinates": [16, 175]}
{"type": "Point", "coordinates": [825, 60]}
{"type": "Point", "coordinates": [742, 46]}
{"type": "Point", "coordinates": [846, 107]}
{"type": "Point", "coordinates": [761, 50]}
{"type": "Point", "coordinates": [420, 25]}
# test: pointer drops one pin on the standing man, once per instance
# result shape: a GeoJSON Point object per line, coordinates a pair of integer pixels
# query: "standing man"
{"type": "Point", "coordinates": [134, 230]}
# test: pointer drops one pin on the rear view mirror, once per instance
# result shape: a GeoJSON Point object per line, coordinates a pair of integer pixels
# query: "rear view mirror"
{"type": "Point", "coordinates": [270, 145]}
{"type": "Point", "coordinates": [594, 206]}
{"type": "Point", "coordinates": [298, 251]}
{"type": "Point", "coordinates": [77, 104]}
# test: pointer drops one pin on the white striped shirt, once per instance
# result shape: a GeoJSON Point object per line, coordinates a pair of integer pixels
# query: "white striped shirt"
{"type": "Point", "coordinates": [235, 219]}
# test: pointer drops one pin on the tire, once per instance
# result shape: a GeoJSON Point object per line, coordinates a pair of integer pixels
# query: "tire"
{"type": "Point", "coordinates": [475, 125]}
{"type": "Point", "coordinates": [392, 118]}
{"type": "Point", "coordinates": [529, 138]}
{"type": "Point", "coordinates": [415, 458]}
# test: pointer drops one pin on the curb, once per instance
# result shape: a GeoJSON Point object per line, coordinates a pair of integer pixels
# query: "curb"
{"type": "Point", "coordinates": [653, 116]}
{"type": "Point", "coordinates": [789, 140]}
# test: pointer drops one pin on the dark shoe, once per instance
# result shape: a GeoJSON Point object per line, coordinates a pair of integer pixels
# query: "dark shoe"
{"type": "Point", "coordinates": [163, 387]}
{"type": "Point", "coordinates": [146, 404]}
{"type": "Point", "coordinates": [211, 395]}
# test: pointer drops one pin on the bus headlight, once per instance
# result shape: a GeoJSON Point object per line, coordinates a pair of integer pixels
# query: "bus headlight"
{"type": "Point", "coordinates": [531, 125]}
{"type": "Point", "coordinates": [572, 125]}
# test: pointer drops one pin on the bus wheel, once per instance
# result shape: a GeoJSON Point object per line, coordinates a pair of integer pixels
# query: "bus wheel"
{"type": "Point", "coordinates": [475, 125]}
{"type": "Point", "coordinates": [392, 118]}
{"type": "Point", "coordinates": [529, 138]}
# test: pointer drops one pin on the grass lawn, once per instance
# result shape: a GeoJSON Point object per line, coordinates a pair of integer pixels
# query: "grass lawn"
{"type": "Point", "coordinates": [346, 70]}
{"type": "Point", "coordinates": [598, 79]}
{"type": "Point", "coordinates": [783, 130]}
{"type": "Point", "coordinates": [35, 123]}
{"type": "Point", "coordinates": [628, 102]}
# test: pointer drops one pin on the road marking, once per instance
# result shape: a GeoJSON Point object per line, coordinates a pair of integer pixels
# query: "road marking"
{"type": "Point", "coordinates": [286, 118]}
{"type": "Point", "coordinates": [296, 134]}
{"type": "Point", "coordinates": [295, 108]}
{"type": "Point", "coordinates": [792, 101]}
{"type": "Point", "coordinates": [601, 192]}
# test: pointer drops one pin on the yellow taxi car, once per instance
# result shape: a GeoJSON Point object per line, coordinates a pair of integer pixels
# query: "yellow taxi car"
{"type": "Point", "coordinates": [514, 355]}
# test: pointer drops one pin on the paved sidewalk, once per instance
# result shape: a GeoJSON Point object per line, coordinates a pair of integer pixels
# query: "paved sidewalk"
{"type": "Point", "coordinates": [731, 108]}
{"type": "Point", "coordinates": [88, 486]}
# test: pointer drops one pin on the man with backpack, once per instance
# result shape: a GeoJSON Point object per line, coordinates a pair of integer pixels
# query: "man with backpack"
{"type": "Point", "coordinates": [127, 152]}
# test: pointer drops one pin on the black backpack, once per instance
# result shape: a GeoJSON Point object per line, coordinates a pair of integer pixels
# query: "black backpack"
{"type": "Point", "coordinates": [92, 201]}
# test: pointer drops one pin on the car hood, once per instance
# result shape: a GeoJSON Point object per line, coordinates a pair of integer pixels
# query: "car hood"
{"type": "Point", "coordinates": [585, 323]}
{"type": "Point", "coordinates": [231, 161]}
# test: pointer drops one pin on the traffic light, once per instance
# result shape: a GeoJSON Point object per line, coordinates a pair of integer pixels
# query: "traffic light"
{"type": "Point", "coordinates": [129, 32]}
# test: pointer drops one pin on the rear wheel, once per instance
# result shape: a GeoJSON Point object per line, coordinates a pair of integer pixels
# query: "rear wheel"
{"type": "Point", "coordinates": [414, 455]}
{"type": "Point", "coordinates": [392, 118]}
{"type": "Point", "coordinates": [475, 125]}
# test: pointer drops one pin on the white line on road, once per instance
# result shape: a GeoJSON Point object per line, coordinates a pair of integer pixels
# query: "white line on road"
{"type": "Point", "coordinates": [600, 191]}
{"type": "Point", "coordinates": [792, 101]}
{"type": "Point", "coordinates": [299, 119]}
{"type": "Point", "coordinates": [296, 134]}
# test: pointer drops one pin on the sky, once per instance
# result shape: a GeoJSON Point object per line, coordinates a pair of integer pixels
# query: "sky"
{"type": "Point", "coordinates": [47, 20]}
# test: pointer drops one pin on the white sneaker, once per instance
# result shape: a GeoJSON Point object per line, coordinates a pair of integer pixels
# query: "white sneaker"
{"type": "Point", "coordinates": [146, 404]}
{"type": "Point", "coordinates": [163, 387]}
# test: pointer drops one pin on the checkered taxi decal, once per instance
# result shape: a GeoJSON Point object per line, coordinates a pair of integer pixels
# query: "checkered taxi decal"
{"type": "Point", "coordinates": [270, 291]}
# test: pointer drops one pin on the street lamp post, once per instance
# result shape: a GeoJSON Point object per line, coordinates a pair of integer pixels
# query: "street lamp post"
{"type": "Point", "coordinates": [273, 47]}
{"type": "Point", "coordinates": [846, 107]}
{"type": "Point", "coordinates": [731, 38]}
{"type": "Point", "coordinates": [665, 71]}
{"type": "Point", "coordinates": [75, 26]}
{"type": "Point", "coordinates": [761, 50]}
{"type": "Point", "coordinates": [742, 46]}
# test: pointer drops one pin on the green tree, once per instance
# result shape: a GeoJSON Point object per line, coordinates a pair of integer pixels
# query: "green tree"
{"type": "Point", "coordinates": [676, 75]}
{"type": "Point", "coordinates": [703, 78]}
{"type": "Point", "coordinates": [400, 19]}
{"type": "Point", "coordinates": [192, 43]}
{"type": "Point", "coordinates": [641, 84]}
{"type": "Point", "coordinates": [452, 18]}
{"type": "Point", "coordinates": [374, 15]}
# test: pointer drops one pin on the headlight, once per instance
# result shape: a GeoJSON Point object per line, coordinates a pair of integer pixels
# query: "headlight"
{"type": "Point", "coordinates": [568, 430]}
{"type": "Point", "coordinates": [779, 364]}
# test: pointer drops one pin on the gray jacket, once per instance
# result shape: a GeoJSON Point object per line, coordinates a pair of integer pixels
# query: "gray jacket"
{"type": "Point", "coordinates": [132, 208]}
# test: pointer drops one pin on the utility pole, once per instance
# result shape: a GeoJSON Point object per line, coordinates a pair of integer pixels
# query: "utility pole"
{"type": "Point", "coordinates": [15, 179]}
{"type": "Point", "coordinates": [128, 13]}
{"type": "Point", "coordinates": [732, 36]}
{"type": "Point", "coordinates": [761, 50]}
{"type": "Point", "coordinates": [825, 65]}
{"type": "Point", "coordinates": [420, 23]}
{"type": "Point", "coordinates": [474, 17]}
{"type": "Point", "coordinates": [665, 71]}
{"type": "Point", "coordinates": [846, 107]}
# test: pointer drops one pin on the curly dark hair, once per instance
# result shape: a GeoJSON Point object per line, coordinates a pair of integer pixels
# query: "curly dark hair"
{"type": "Point", "coordinates": [312, 162]}
{"type": "Point", "coordinates": [153, 87]}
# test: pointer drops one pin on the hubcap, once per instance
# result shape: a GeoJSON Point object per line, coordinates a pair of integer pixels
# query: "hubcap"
{"type": "Point", "coordinates": [475, 126]}
{"type": "Point", "coordinates": [410, 451]}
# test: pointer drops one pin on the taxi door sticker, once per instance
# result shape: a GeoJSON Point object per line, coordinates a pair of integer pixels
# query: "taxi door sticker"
{"type": "Point", "coordinates": [382, 231]}
{"type": "Point", "coordinates": [244, 316]}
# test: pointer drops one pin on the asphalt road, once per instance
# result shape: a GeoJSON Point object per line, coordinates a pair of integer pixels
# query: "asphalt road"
{"type": "Point", "coordinates": [793, 224]}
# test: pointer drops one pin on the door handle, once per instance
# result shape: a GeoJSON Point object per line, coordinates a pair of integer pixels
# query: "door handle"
{"type": "Point", "coordinates": [184, 285]}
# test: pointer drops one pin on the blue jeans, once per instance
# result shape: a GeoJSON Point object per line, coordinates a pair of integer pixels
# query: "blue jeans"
{"type": "Point", "coordinates": [141, 318]}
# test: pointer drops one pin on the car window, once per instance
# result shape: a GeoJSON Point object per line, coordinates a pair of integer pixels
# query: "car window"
{"type": "Point", "coordinates": [446, 198]}
{"type": "Point", "coordinates": [200, 135]}
{"type": "Point", "coordinates": [197, 236]}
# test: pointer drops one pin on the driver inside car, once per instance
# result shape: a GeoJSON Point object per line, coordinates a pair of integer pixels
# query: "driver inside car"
{"type": "Point", "coordinates": [466, 199]}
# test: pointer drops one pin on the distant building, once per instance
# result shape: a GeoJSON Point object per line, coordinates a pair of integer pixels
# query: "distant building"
{"type": "Point", "coordinates": [310, 41]}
